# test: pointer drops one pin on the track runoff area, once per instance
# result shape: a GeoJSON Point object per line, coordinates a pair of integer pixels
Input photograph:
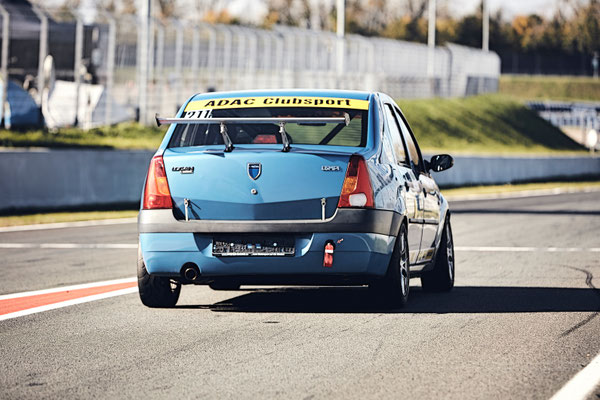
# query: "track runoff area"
{"type": "Point", "coordinates": [501, 231]}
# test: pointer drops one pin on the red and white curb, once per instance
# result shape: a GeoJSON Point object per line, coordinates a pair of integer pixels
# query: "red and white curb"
{"type": "Point", "coordinates": [26, 303]}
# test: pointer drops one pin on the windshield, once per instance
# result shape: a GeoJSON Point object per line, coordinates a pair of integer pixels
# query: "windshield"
{"type": "Point", "coordinates": [354, 134]}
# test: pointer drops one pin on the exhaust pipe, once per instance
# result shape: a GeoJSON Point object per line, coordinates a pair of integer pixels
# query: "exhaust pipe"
{"type": "Point", "coordinates": [190, 274]}
{"type": "Point", "coordinates": [190, 271]}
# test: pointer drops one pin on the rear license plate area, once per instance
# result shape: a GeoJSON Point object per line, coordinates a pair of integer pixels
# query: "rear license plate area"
{"type": "Point", "coordinates": [256, 245]}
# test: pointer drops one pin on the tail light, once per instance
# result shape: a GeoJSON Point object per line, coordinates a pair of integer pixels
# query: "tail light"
{"type": "Point", "coordinates": [157, 193]}
{"type": "Point", "coordinates": [356, 190]}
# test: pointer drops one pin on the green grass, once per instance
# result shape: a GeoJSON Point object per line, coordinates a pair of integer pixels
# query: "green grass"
{"type": "Point", "coordinates": [498, 189]}
{"type": "Point", "coordinates": [482, 124]}
{"type": "Point", "coordinates": [123, 136]}
{"type": "Point", "coordinates": [534, 87]}
{"type": "Point", "coordinates": [71, 216]}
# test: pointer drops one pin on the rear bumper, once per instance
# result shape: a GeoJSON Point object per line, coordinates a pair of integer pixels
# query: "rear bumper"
{"type": "Point", "coordinates": [357, 255]}
{"type": "Point", "coordinates": [383, 222]}
{"type": "Point", "coordinates": [364, 243]}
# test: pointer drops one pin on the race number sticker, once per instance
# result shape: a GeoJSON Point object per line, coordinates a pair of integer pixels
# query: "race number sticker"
{"type": "Point", "coordinates": [206, 113]}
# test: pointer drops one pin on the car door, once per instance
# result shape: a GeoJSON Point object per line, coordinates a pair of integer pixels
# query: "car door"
{"type": "Point", "coordinates": [429, 191]}
{"type": "Point", "coordinates": [409, 184]}
{"type": "Point", "coordinates": [431, 216]}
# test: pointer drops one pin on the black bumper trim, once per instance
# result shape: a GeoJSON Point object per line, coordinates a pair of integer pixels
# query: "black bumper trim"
{"type": "Point", "coordinates": [288, 280]}
{"type": "Point", "coordinates": [349, 220]}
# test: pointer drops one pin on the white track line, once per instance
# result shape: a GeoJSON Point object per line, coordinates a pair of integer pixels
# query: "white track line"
{"type": "Point", "coordinates": [61, 225]}
{"type": "Point", "coordinates": [519, 194]}
{"type": "Point", "coordinates": [68, 303]}
{"type": "Point", "coordinates": [527, 249]}
{"type": "Point", "coordinates": [68, 246]}
{"type": "Point", "coordinates": [67, 288]}
{"type": "Point", "coordinates": [457, 248]}
{"type": "Point", "coordinates": [582, 384]}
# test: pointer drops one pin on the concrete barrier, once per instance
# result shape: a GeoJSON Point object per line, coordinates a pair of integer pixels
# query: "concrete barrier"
{"type": "Point", "coordinates": [488, 170]}
{"type": "Point", "coordinates": [48, 178]}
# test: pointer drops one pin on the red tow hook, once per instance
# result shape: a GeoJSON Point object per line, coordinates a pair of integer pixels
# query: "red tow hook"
{"type": "Point", "coordinates": [328, 255]}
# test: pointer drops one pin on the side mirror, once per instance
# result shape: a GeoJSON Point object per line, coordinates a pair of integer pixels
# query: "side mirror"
{"type": "Point", "coordinates": [441, 162]}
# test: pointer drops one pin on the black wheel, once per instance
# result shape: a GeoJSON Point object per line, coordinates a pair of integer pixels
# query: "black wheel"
{"type": "Point", "coordinates": [156, 291]}
{"type": "Point", "coordinates": [224, 286]}
{"type": "Point", "coordinates": [441, 277]}
{"type": "Point", "coordinates": [394, 287]}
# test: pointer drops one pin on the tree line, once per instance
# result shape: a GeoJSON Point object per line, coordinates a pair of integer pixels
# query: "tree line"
{"type": "Point", "coordinates": [570, 36]}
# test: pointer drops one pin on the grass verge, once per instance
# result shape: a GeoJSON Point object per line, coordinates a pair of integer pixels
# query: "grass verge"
{"type": "Point", "coordinates": [127, 135]}
{"type": "Point", "coordinates": [491, 124]}
{"type": "Point", "coordinates": [71, 216]}
{"type": "Point", "coordinates": [539, 87]}
{"type": "Point", "coordinates": [480, 124]}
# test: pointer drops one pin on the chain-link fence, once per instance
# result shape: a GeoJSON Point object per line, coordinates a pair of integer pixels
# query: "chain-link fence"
{"type": "Point", "coordinates": [101, 74]}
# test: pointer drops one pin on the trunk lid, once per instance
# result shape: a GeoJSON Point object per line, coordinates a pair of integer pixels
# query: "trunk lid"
{"type": "Point", "coordinates": [289, 186]}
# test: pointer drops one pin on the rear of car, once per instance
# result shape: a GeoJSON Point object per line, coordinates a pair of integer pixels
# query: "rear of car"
{"type": "Point", "coordinates": [269, 201]}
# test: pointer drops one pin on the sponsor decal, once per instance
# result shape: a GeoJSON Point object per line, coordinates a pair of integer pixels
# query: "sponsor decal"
{"type": "Point", "coordinates": [197, 114]}
{"type": "Point", "coordinates": [276, 101]}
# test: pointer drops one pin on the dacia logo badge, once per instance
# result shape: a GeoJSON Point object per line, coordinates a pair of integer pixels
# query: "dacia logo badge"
{"type": "Point", "coordinates": [254, 170]}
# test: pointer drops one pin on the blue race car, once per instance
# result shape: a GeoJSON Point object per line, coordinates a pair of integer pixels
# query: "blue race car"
{"type": "Point", "coordinates": [292, 187]}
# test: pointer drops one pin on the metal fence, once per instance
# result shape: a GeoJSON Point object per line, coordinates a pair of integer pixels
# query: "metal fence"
{"type": "Point", "coordinates": [575, 119]}
{"type": "Point", "coordinates": [99, 76]}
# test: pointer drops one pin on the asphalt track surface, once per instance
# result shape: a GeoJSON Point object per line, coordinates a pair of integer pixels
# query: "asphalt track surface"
{"type": "Point", "coordinates": [520, 323]}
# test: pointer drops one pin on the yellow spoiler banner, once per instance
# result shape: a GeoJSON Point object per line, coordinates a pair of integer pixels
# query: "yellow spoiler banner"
{"type": "Point", "coordinates": [277, 101]}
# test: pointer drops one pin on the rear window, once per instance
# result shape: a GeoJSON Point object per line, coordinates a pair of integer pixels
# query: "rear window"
{"type": "Point", "coordinates": [354, 134]}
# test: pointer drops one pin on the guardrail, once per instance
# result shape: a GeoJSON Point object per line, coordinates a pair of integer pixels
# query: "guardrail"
{"type": "Point", "coordinates": [568, 114]}
{"type": "Point", "coordinates": [49, 178]}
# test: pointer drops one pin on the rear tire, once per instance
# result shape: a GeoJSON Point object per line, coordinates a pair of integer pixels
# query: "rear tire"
{"type": "Point", "coordinates": [156, 291]}
{"type": "Point", "coordinates": [441, 277]}
{"type": "Point", "coordinates": [393, 289]}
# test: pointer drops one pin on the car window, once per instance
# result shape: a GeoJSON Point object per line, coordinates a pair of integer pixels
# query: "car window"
{"type": "Point", "coordinates": [395, 135]}
{"type": "Point", "coordinates": [387, 151]}
{"type": "Point", "coordinates": [411, 144]}
{"type": "Point", "coordinates": [354, 134]}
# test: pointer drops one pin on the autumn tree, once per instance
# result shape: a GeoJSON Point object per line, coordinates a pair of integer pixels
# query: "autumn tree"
{"type": "Point", "coordinates": [67, 10]}
{"type": "Point", "coordinates": [587, 26]}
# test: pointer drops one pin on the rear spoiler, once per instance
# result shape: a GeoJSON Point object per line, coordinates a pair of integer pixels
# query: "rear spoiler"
{"type": "Point", "coordinates": [280, 121]}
